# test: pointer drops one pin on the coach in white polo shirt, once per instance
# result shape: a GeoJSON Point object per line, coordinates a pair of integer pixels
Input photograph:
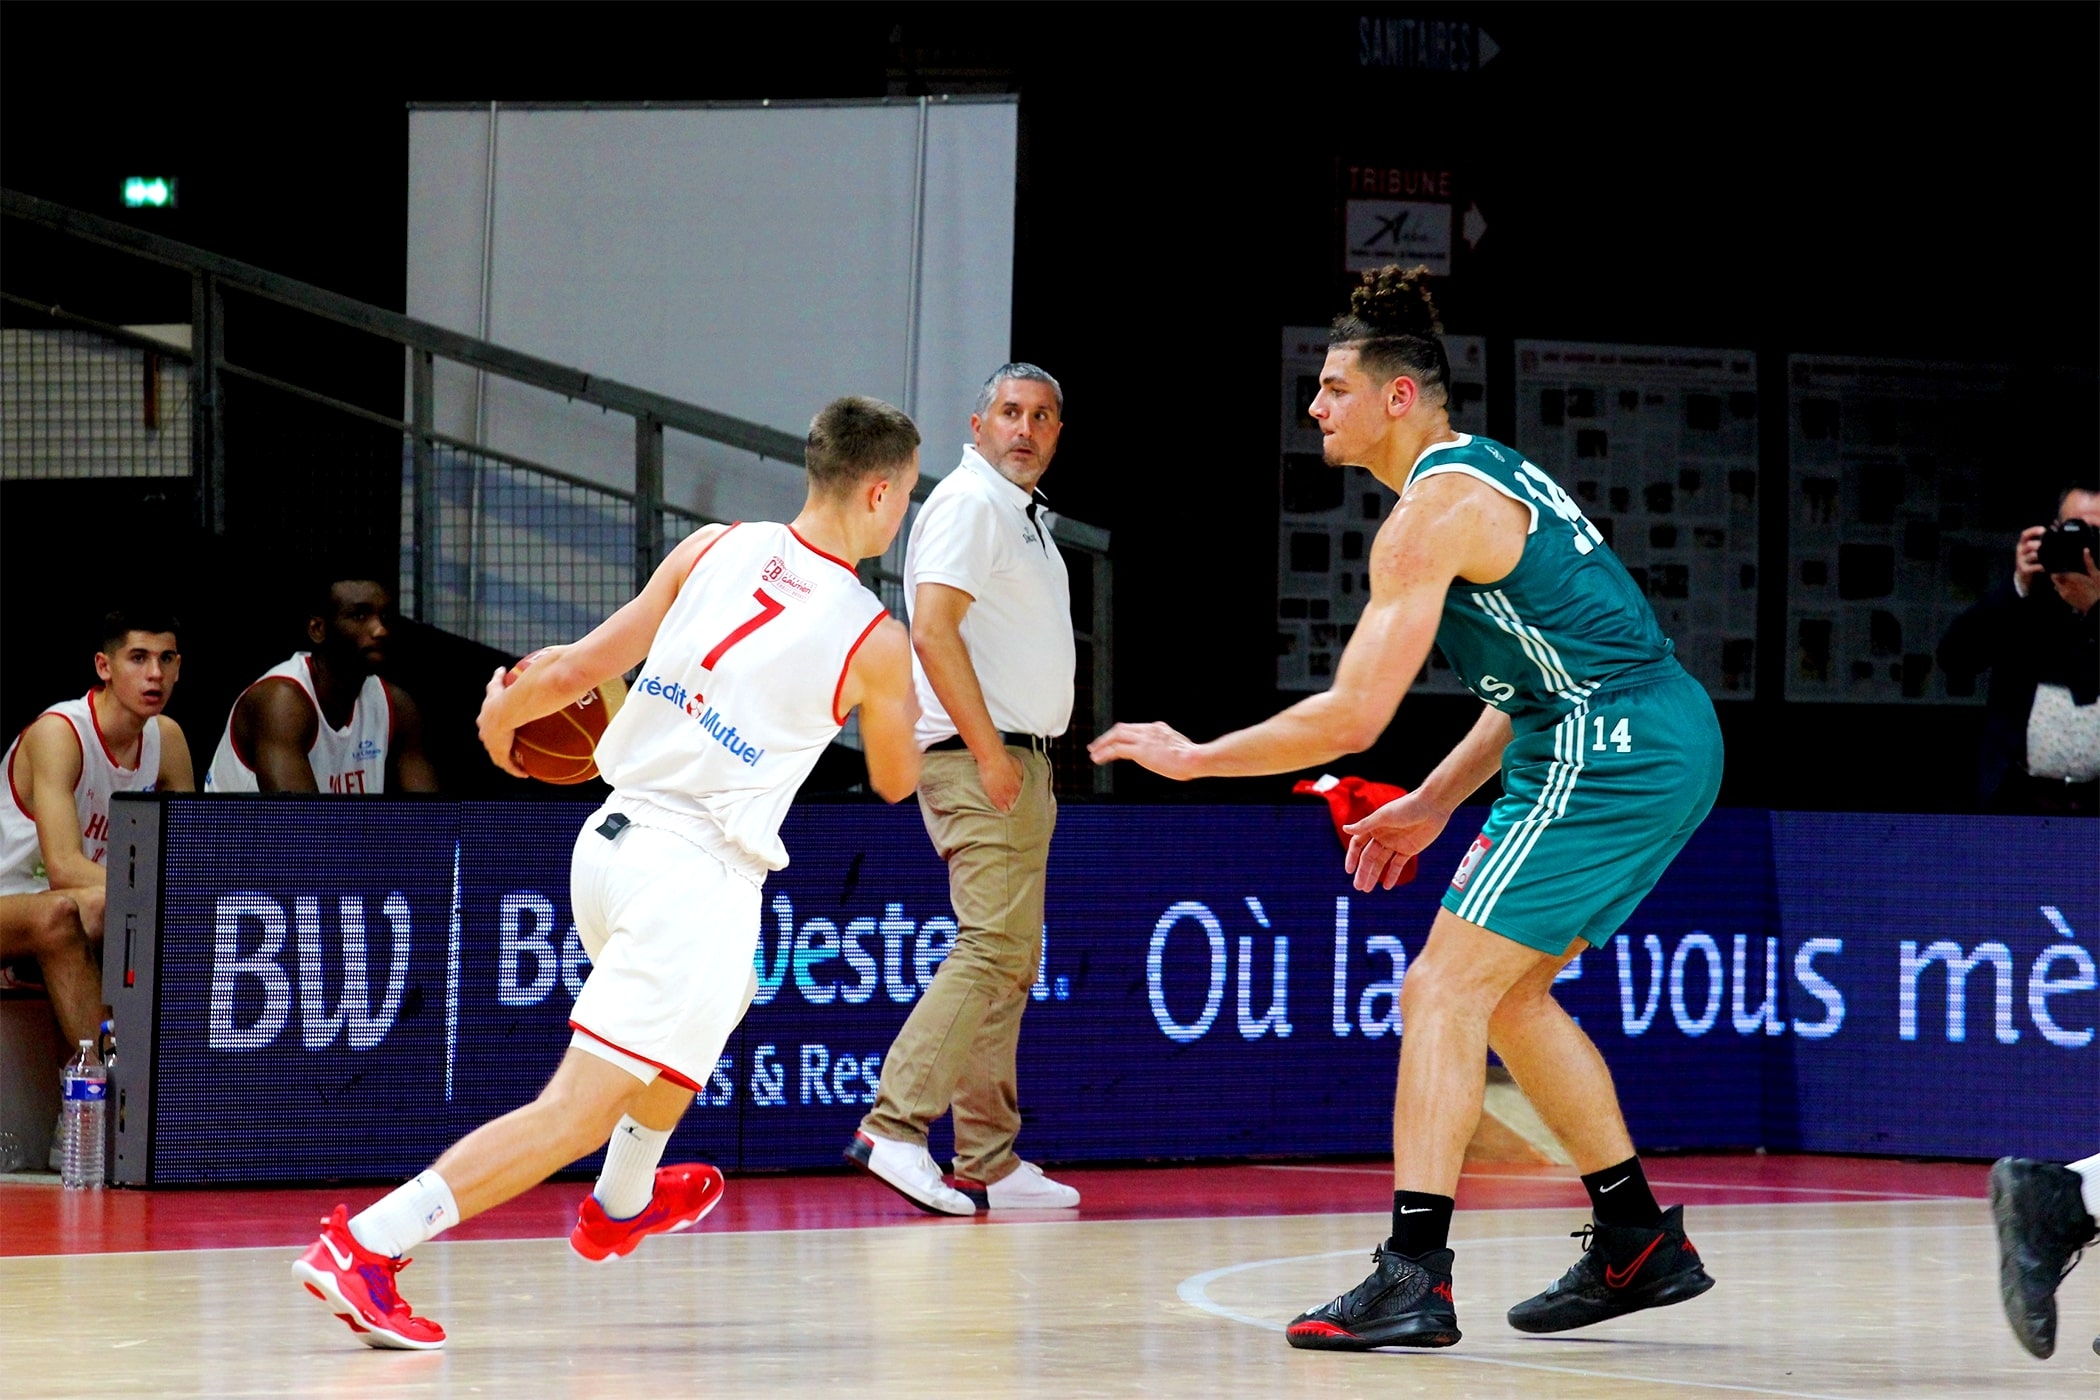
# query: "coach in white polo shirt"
{"type": "Point", "coordinates": [991, 629]}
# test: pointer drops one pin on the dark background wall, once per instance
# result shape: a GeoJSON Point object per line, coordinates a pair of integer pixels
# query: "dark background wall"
{"type": "Point", "coordinates": [1916, 182]}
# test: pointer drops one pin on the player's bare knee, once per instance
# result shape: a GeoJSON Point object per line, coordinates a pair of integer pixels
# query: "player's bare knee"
{"type": "Point", "coordinates": [90, 904]}
{"type": "Point", "coordinates": [55, 929]}
{"type": "Point", "coordinates": [1430, 997]}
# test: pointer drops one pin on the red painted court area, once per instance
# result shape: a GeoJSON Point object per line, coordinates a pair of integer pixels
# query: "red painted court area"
{"type": "Point", "coordinates": [38, 1219]}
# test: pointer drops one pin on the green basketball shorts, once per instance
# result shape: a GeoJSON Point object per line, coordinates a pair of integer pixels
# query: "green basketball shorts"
{"type": "Point", "coordinates": [1595, 806]}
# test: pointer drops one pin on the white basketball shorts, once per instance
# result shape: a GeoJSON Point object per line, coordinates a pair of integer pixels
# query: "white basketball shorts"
{"type": "Point", "coordinates": [671, 932]}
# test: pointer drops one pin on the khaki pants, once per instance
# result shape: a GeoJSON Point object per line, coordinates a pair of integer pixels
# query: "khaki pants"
{"type": "Point", "coordinates": [957, 1048]}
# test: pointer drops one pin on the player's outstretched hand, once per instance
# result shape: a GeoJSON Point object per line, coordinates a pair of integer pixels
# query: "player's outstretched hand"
{"type": "Point", "coordinates": [1380, 844]}
{"type": "Point", "coordinates": [496, 737]}
{"type": "Point", "coordinates": [1155, 746]}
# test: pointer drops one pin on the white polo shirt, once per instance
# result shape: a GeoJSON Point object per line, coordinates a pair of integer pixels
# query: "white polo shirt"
{"type": "Point", "coordinates": [974, 533]}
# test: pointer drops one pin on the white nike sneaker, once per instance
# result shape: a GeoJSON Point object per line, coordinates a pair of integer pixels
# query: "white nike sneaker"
{"type": "Point", "coordinates": [1026, 1188]}
{"type": "Point", "coordinates": [907, 1168]}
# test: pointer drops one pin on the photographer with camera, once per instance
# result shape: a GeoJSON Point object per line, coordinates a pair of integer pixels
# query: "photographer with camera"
{"type": "Point", "coordinates": [2038, 634]}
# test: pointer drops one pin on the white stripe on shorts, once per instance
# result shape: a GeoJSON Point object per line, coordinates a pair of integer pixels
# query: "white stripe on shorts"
{"type": "Point", "coordinates": [1484, 875]}
{"type": "Point", "coordinates": [1498, 871]}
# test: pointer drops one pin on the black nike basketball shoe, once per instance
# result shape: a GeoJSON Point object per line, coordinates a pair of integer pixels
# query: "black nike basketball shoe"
{"type": "Point", "coordinates": [2042, 1228]}
{"type": "Point", "coordinates": [1406, 1302]}
{"type": "Point", "coordinates": [1623, 1269]}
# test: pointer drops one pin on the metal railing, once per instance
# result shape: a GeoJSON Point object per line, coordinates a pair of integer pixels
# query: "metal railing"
{"type": "Point", "coordinates": [493, 546]}
{"type": "Point", "coordinates": [81, 399]}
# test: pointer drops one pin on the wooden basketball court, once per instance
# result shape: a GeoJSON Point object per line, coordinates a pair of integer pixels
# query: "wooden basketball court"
{"type": "Point", "coordinates": [1836, 1278]}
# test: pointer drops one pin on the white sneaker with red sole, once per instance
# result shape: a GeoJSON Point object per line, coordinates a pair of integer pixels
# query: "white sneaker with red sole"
{"type": "Point", "coordinates": [683, 1197]}
{"type": "Point", "coordinates": [357, 1285]}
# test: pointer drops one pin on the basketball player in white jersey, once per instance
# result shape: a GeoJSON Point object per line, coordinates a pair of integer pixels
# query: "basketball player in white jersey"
{"type": "Point", "coordinates": [754, 641]}
{"type": "Point", "coordinates": [324, 721]}
{"type": "Point", "coordinates": [54, 826]}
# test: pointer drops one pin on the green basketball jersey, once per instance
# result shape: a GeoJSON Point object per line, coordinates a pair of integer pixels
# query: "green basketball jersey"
{"type": "Point", "coordinates": [1565, 622]}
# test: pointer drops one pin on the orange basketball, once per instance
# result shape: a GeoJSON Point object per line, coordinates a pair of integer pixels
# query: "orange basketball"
{"type": "Point", "coordinates": [561, 748]}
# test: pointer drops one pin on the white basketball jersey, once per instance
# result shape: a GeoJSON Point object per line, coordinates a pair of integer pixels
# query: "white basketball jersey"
{"type": "Point", "coordinates": [740, 694]}
{"type": "Point", "coordinates": [350, 760]}
{"type": "Point", "coordinates": [21, 858]}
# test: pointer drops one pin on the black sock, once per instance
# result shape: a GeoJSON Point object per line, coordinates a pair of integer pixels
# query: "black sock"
{"type": "Point", "coordinates": [1619, 1195]}
{"type": "Point", "coordinates": [1421, 1223]}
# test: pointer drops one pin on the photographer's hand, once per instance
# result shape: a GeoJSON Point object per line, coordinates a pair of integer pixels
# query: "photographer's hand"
{"type": "Point", "coordinates": [2081, 591]}
{"type": "Point", "coordinates": [2027, 558]}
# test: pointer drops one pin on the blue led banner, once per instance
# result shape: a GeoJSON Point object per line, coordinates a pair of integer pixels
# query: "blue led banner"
{"type": "Point", "coordinates": [345, 987]}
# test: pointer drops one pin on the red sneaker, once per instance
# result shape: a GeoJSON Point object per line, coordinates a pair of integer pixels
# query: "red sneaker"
{"type": "Point", "coordinates": [683, 1197]}
{"type": "Point", "coordinates": [357, 1285]}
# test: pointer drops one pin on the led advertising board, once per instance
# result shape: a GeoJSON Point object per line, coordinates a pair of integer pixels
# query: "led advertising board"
{"type": "Point", "coordinates": [342, 988]}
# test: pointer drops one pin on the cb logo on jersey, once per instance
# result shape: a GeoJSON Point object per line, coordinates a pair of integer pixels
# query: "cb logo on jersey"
{"type": "Point", "coordinates": [777, 572]}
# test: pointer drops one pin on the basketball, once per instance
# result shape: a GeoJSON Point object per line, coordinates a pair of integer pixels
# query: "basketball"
{"type": "Point", "coordinates": [561, 748]}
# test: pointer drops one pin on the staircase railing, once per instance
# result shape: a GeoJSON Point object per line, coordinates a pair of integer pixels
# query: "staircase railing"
{"type": "Point", "coordinates": [493, 546]}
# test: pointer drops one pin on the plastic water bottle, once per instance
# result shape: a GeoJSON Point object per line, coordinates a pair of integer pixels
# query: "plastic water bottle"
{"type": "Point", "coordinates": [84, 1089]}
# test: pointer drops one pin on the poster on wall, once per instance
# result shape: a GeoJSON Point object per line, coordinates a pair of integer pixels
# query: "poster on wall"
{"type": "Point", "coordinates": [1890, 465]}
{"type": "Point", "coordinates": [1329, 515]}
{"type": "Point", "coordinates": [1658, 445]}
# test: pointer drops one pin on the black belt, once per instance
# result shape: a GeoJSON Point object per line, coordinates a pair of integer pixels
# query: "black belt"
{"type": "Point", "coordinates": [1019, 741]}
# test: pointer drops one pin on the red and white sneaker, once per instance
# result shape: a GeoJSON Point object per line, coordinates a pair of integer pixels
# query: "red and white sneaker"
{"type": "Point", "coordinates": [357, 1285]}
{"type": "Point", "coordinates": [683, 1197]}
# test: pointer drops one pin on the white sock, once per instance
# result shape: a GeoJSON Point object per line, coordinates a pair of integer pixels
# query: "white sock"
{"type": "Point", "coordinates": [407, 1216]}
{"type": "Point", "coordinates": [628, 1179]}
{"type": "Point", "coordinates": [2089, 1184]}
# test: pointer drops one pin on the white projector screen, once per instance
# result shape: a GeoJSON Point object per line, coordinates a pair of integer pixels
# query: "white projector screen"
{"type": "Point", "coordinates": [754, 260]}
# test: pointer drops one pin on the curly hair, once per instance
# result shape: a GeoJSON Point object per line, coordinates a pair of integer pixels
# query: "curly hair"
{"type": "Point", "coordinates": [1392, 325]}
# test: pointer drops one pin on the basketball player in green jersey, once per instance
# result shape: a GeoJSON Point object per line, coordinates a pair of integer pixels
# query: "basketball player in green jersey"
{"type": "Point", "coordinates": [1610, 758]}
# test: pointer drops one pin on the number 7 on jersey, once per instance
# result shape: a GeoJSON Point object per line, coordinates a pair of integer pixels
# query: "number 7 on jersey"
{"type": "Point", "coordinates": [769, 608]}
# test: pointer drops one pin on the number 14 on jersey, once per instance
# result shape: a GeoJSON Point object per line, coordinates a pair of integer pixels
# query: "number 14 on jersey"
{"type": "Point", "coordinates": [1621, 736]}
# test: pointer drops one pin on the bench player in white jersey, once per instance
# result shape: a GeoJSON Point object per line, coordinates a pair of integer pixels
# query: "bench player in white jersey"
{"type": "Point", "coordinates": [54, 826]}
{"type": "Point", "coordinates": [324, 720]}
{"type": "Point", "coordinates": [755, 641]}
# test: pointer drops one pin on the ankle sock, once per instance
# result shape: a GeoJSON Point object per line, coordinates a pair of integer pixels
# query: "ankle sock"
{"type": "Point", "coordinates": [406, 1216]}
{"type": "Point", "coordinates": [1421, 1223]}
{"type": "Point", "coordinates": [2089, 1185]}
{"type": "Point", "coordinates": [1619, 1195]}
{"type": "Point", "coordinates": [628, 1178]}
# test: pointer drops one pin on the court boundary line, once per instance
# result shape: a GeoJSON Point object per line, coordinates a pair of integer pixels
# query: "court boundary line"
{"type": "Point", "coordinates": [1195, 1292]}
{"type": "Point", "coordinates": [958, 1222]}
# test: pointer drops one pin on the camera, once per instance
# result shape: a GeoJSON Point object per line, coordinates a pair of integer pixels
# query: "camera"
{"type": "Point", "coordinates": [2064, 547]}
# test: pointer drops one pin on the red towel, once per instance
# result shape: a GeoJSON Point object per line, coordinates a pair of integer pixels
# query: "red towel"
{"type": "Point", "coordinates": [1351, 800]}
